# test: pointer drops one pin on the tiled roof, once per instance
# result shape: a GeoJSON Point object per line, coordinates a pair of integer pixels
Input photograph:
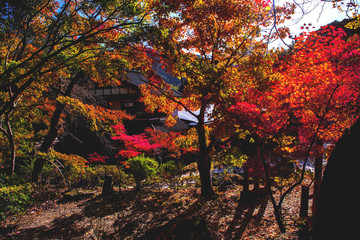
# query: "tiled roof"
{"type": "Point", "coordinates": [137, 79]}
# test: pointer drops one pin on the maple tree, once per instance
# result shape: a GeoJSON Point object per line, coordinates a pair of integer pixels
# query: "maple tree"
{"type": "Point", "coordinates": [200, 42]}
{"type": "Point", "coordinates": [48, 45]}
{"type": "Point", "coordinates": [312, 96]}
{"type": "Point", "coordinates": [95, 158]}
{"type": "Point", "coordinates": [287, 105]}
{"type": "Point", "coordinates": [133, 145]}
{"type": "Point", "coordinates": [171, 144]}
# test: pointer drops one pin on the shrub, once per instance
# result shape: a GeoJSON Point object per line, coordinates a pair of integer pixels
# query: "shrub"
{"type": "Point", "coordinates": [68, 167]}
{"type": "Point", "coordinates": [10, 180]}
{"type": "Point", "coordinates": [95, 175]}
{"type": "Point", "coordinates": [14, 199]}
{"type": "Point", "coordinates": [171, 173]}
{"type": "Point", "coordinates": [142, 168]}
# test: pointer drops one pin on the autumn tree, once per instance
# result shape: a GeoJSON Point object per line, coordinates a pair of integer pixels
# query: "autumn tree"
{"type": "Point", "coordinates": [45, 42]}
{"type": "Point", "coordinates": [66, 102]}
{"type": "Point", "coordinates": [312, 97]}
{"type": "Point", "coordinates": [200, 42]}
{"type": "Point", "coordinates": [332, 79]}
{"type": "Point", "coordinates": [132, 145]}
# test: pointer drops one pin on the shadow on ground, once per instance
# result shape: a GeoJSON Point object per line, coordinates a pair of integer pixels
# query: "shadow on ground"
{"type": "Point", "coordinates": [64, 227]}
{"type": "Point", "coordinates": [150, 215]}
{"type": "Point", "coordinates": [244, 216]}
{"type": "Point", "coordinates": [198, 221]}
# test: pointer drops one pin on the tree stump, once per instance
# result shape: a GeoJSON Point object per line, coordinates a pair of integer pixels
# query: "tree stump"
{"type": "Point", "coordinates": [107, 186]}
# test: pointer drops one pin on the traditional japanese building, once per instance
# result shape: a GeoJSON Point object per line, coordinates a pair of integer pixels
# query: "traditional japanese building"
{"type": "Point", "coordinates": [126, 97]}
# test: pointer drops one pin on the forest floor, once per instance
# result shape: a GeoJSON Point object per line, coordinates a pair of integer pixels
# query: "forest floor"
{"type": "Point", "coordinates": [154, 214]}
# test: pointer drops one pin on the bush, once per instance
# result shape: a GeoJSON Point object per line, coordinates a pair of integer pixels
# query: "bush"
{"type": "Point", "coordinates": [94, 175]}
{"type": "Point", "coordinates": [10, 180]}
{"type": "Point", "coordinates": [171, 173]}
{"type": "Point", "coordinates": [14, 199]}
{"type": "Point", "coordinates": [142, 168]}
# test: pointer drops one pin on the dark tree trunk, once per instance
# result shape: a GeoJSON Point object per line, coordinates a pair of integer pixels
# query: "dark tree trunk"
{"type": "Point", "coordinates": [304, 203]}
{"type": "Point", "coordinates": [205, 178]}
{"type": "Point", "coordinates": [12, 149]}
{"type": "Point", "coordinates": [337, 205]}
{"type": "Point", "coordinates": [317, 183]}
{"type": "Point", "coordinates": [246, 184]}
{"type": "Point", "coordinates": [53, 131]}
{"type": "Point", "coordinates": [204, 163]}
{"type": "Point", "coordinates": [277, 207]}
{"type": "Point", "coordinates": [10, 136]}
{"type": "Point", "coordinates": [107, 186]}
{"type": "Point", "coordinates": [48, 141]}
{"type": "Point", "coordinates": [7, 131]}
{"type": "Point", "coordinates": [278, 218]}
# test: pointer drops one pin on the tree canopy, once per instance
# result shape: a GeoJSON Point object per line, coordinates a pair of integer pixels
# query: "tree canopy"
{"type": "Point", "coordinates": [251, 104]}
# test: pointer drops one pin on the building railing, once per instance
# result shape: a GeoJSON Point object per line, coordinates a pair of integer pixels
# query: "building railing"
{"type": "Point", "coordinates": [112, 91]}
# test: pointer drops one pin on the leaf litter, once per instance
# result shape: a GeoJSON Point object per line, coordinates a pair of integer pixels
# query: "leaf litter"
{"type": "Point", "coordinates": [154, 214]}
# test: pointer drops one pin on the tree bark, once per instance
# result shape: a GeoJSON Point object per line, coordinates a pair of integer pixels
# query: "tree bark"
{"type": "Point", "coordinates": [12, 146]}
{"type": "Point", "coordinates": [317, 183]}
{"type": "Point", "coordinates": [337, 205]}
{"type": "Point", "coordinates": [204, 163]}
{"type": "Point", "coordinates": [277, 207]}
{"type": "Point", "coordinates": [10, 136]}
{"type": "Point", "coordinates": [246, 184]}
{"type": "Point", "coordinates": [278, 218]}
{"type": "Point", "coordinates": [207, 191]}
{"type": "Point", "coordinates": [304, 203]}
{"type": "Point", "coordinates": [7, 131]}
{"type": "Point", "coordinates": [107, 186]}
{"type": "Point", "coordinates": [53, 131]}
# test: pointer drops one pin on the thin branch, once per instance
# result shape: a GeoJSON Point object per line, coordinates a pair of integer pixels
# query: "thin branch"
{"type": "Point", "coordinates": [86, 35]}
{"type": "Point", "coordinates": [167, 95]}
{"type": "Point", "coordinates": [59, 170]}
{"type": "Point", "coordinates": [237, 49]}
{"type": "Point", "coordinates": [327, 108]}
{"type": "Point", "coordinates": [276, 28]}
{"type": "Point", "coordinates": [267, 175]}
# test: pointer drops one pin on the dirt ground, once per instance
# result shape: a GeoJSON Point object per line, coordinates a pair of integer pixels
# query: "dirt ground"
{"type": "Point", "coordinates": [154, 214]}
